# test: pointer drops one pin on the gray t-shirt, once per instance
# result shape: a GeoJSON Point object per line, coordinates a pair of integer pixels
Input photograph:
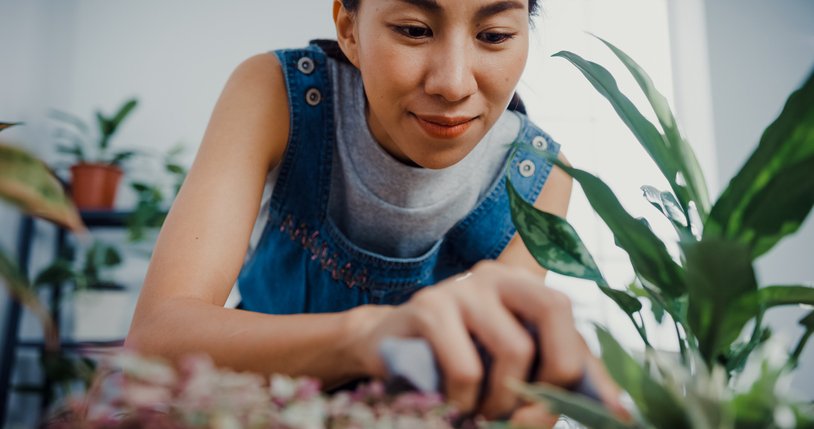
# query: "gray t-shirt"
{"type": "Point", "coordinates": [384, 206]}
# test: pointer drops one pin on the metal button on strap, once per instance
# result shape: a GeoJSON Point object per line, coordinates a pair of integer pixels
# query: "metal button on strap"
{"type": "Point", "coordinates": [305, 65]}
{"type": "Point", "coordinates": [540, 143]}
{"type": "Point", "coordinates": [527, 168]}
{"type": "Point", "coordinates": [313, 96]}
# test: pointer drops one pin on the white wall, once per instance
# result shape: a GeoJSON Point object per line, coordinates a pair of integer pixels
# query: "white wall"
{"type": "Point", "coordinates": [33, 54]}
{"type": "Point", "coordinates": [760, 51]}
{"type": "Point", "coordinates": [83, 55]}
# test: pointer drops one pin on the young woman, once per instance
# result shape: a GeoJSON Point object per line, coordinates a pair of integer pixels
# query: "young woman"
{"type": "Point", "coordinates": [385, 152]}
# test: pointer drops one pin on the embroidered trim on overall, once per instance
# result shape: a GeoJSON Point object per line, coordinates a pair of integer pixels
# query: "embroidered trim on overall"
{"type": "Point", "coordinates": [319, 250]}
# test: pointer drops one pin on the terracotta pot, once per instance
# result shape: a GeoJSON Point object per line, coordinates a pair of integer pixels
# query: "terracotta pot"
{"type": "Point", "coordinates": [93, 186]}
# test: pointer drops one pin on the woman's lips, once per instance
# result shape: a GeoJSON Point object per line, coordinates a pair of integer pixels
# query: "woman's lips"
{"type": "Point", "coordinates": [443, 127]}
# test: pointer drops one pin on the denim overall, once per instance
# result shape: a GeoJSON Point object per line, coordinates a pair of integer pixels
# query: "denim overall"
{"type": "Point", "coordinates": [304, 264]}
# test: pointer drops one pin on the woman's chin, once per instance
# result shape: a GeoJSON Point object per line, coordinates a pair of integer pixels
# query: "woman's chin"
{"type": "Point", "coordinates": [435, 158]}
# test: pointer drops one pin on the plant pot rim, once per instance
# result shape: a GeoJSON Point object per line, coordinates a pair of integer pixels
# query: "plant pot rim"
{"type": "Point", "coordinates": [105, 165]}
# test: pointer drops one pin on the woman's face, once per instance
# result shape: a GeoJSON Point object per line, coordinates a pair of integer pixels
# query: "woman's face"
{"type": "Point", "coordinates": [437, 73]}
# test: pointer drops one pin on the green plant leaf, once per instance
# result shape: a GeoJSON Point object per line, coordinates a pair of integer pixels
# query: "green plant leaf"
{"type": "Point", "coordinates": [112, 257]}
{"type": "Point", "coordinates": [719, 273]}
{"type": "Point", "coordinates": [125, 110]}
{"type": "Point", "coordinates": [808, 321]}
{"type": "Point", "coordinates": [628, 303]}
{"type": "Point", "coordinates": [57, 273]}
{"type": "Point", "coordinates": [755, 408]}
{"type": "Point", "coordinates": [773, 296]}
{"type": "Point", "coordinates": [176, 169]}
{"type": "Point", "coordinates": [804, 414]}
{"type": "Point", "coordinates": [13, 277]}
{"type": "Point", "coordinates": [779, 208]}
{"type": "Point", "coordinates": [29, 184]}
{"type": "Point", "coordinates": [121, 157]}
{"type": "Point", "coordinates": [745, 212]}
{"type": "Point", "coordinates": [645, 132]}
{"type": "Point", "coordinates": [559, 401]}
{"type": "Point", "coordinates": [656, 307]}
{"type": "Point", "coordinates": [140, 187]}
{"type": "Point", "coordinates": [735, 360]}
{"type": "Point", "coordinates": [742, 309]}
{"type": "Point", "coordinates": [677, 146]}
{"type": "Point", "coordinates": [551, 240]}
{"type": "Point", "coordinates": [556, 246]}
{"type": "Point", "coordinates": [647, 253]}
{"type": "Point", "coordinates": [105, 127]}
{"type": "Point", "coordinates": [92, 261]}
{"type": "Point", "coordinates": [4, 125]}
{"type": "Point", "coordinates": [666, 203]}
{"type": "Point", "coordinates": [657, 404]}
{"type": "Point", "coordinates": [20, 290]}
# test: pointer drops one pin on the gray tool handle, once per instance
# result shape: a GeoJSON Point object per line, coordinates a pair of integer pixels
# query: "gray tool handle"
{"type": "Point", "coordinates": [411, 366]}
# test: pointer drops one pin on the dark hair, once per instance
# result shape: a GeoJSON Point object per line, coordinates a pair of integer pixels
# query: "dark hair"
{"type": "Point", "coordinates": [352, 5]}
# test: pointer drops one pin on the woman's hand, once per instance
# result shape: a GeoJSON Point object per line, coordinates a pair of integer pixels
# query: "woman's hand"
{"type": "Point", "coordinates": [487, 302]}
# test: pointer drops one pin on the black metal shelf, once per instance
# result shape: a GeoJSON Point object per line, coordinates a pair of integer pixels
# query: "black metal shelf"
{"type": "Point", "coordinates": [92, 219]}
{"type": "Point", "coordinates": [104, 218]}
{"type": "Point", "coordinates": [68, 345]}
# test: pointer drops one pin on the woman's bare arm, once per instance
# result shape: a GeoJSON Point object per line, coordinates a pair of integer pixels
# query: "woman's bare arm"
{"type": "Point", "coordinates": [201, 248]}
{"type": "Point", "coordinates": [554, 198]}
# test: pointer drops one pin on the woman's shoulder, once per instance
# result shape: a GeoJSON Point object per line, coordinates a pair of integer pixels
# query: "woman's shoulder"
{"type": "Point", "coordinates": [257, 87]}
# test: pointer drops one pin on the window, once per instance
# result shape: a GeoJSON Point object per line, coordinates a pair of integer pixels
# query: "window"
{"type": "Point", "coordinates": [562, 102]}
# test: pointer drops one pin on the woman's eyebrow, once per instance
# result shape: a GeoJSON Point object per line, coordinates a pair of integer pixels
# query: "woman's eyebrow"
{"type": "Point", "coordinates": [428, 5]}
{"type": "Point", "coordinates": [498, 7]}
{"type": "Point", "coordinates": [484, 12]}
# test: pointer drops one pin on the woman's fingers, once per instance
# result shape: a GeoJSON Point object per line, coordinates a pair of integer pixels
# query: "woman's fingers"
{"type": "Point", "coordinates": [564, 356]}
{"type": "Point", "coordinates": [533, 416]}
{"type": "Point", "coordinates": [511, 349]}
{"type": "Point", "coordinates": [440, 322]}
{"type": "Point", "coordinates": [489, 304]}
{"type": "Point", "coordinates": [607, 389]}
{"type": "Point", "coordinates": [562, 353]}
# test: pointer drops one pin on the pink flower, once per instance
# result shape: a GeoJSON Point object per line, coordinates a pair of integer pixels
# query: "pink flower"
{"type": "Point", "coordinates": [307, 389]}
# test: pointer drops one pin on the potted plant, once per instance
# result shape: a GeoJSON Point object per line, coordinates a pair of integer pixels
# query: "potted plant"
{"type": "Point", "coordinates": [96, 173]}
{"type": "Point", "coordinates": [725, 376]}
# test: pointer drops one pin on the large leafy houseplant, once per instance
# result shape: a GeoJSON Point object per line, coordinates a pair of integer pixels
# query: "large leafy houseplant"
{"type": "Point", "coordinates": [710, 290]}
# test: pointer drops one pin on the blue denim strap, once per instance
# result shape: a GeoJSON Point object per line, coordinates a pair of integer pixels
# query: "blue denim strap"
{"type": "Point", "coordinates": [486, 232]}
{"type": "Point", "coordinates": [303, 187]}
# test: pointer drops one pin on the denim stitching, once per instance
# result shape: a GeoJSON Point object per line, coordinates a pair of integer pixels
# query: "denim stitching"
{"type": "Point", "coordinates": [319, 250]}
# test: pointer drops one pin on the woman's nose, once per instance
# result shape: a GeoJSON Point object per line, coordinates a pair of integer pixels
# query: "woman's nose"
{"type": "Point", "coordinates": [451, 72]}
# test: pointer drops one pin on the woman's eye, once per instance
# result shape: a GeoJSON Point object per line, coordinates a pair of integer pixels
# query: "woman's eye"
{"type": "Point", "coordinates": [495, 38]}
{"type": "Point", "coordinates": [414, 32]}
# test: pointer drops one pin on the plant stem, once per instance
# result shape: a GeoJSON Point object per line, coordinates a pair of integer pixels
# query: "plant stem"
{"type": "Point", "coordinates": [682, 347]}
{"type": "Point", "coordinates": [795, 357]}
{"type": "Point", "coordinates": [640, 328]}
{"type": "Point", "coordinates": [757, 332]}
